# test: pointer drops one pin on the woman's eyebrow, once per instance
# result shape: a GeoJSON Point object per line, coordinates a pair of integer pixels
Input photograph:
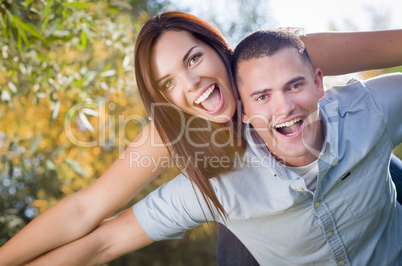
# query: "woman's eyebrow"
{"type": "Point", "coordinates": [161, 78]}
{"type": "Point", "coordinates": [188, 53]}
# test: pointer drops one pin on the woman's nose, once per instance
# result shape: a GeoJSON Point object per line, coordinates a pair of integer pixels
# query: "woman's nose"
{"type": "Point", "coordinates": [191, 80]}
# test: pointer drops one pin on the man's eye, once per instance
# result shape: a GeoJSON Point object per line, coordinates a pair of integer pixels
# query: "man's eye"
{"type": "Point", "coordinates": [194, 59]}
{"type": "Point", "coordinates": [296, 86]}
{"type": "Point", "coordinates": [262, 97]}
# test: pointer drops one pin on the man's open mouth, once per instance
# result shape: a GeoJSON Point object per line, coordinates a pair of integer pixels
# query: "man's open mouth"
{"type": "Point", "coordinates": [289, 128]}
{"type": "Point", "coordinates": [210, 100]}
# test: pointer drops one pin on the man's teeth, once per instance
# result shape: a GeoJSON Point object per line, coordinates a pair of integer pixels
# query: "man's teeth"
{"type": "Point", "coordinates": [205, 95]}
{"type": "Point", "coordinates": [289, 123]}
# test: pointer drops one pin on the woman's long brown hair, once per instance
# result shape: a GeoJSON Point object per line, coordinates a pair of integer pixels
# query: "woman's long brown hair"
{"type": "Point", "coordinates": [166, 118]}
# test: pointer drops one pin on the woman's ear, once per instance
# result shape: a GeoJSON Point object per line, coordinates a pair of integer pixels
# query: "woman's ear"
{"type": "Point", "coordinates": [244, 118]}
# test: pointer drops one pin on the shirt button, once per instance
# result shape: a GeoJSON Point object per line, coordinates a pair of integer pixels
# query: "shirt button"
{"type": "Point", "coordinates": [317, 204]}
{"type": "Point", "coordinates": [299, 189]}
{"type": "Point", "coordinates": [330, 234]}
{"type": "Point", "coordinates": [331, 151]}
{"type": "Point", "coordinates": [341, 263]}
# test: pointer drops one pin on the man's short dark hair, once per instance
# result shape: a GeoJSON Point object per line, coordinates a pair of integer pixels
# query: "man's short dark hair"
{"type": "Point", "coordinates": [266, 43]}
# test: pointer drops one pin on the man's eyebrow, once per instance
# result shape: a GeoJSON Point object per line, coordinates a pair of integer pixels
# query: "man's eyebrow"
{"type": "Point", "coordinates": [260, 92]}
{"type": "Point", "coordinates": [293, 80]}
{"type": "Point", "coordinates": [290, 82]}
{"type": "Point", "coordinates": [184, 59]}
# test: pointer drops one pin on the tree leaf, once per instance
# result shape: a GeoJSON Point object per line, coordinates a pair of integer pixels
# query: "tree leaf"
{"type": "Point", "coordinates": [76, 166]}
{"type": "Point", "coordinates": [28, 2]}
{"type": "Point", "coordinates": [57, 151]}
{"type": "Point", "coordinates": [86, 123]}
{"type": "Point", "coordinates": [90, 112]}
{"type": "Point", "coordinates": [79, 5]}
{"type": "Point", "coordinates": [83, 39]}
{"type": "Point", "coordinates": [108, 73]}
{"type": "Point", "coordinates": [12, 87]}
{"type": "Point", "coordinates": [50, 165]}
{"type": "Point", "coordinates": [89, 77]}
{"type": "Point", "coordinates": [46, 14]}
{"type": "Point", "coordinates": [35, 143]}
{"type": "Point", "coordinates": [21, 34]}
{"type": "Point", "coordinates": [5, 96]}
{"type": "Point", "coordinates": [56, 108]}
{"type": "Point", "coordinates": [27, 27]}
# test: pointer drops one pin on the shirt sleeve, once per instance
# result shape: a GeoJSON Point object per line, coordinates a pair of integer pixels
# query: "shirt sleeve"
{"type": "Point", "coordinates": [386, 91]}
{"type": "Point", "coordinates": [171, 210]}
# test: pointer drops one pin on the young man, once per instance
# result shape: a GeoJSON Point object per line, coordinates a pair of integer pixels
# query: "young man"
{"type": "Point", "coordinates": [335, 152]}
{"type": "Point", "coordinates": [315, 188]}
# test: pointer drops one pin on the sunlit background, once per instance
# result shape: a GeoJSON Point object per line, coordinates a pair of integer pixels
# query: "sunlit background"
{"type": "Point", "coordinates": [59, 54]}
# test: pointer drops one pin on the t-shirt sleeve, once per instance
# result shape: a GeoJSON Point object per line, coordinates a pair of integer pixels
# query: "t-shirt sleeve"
{"type": "Point", "coordinates": [386, 91]}
{"type": "Point", "coordinates": [171, 210]}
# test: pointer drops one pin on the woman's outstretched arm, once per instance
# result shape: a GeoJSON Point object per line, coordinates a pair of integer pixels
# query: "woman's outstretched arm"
{"type": "Point", "coordinates": [113, 238]}
{"type": "Point", "coordinates": [338, 53]}
{"type": "Point", "coordinates": [78, 214]}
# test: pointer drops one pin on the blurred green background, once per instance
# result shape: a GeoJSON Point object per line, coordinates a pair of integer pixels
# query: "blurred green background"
{"type": "Point", "coordinates": [56, 54]}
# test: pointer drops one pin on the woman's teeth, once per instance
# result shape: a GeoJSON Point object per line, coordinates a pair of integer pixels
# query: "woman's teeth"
{"type": "Point", "coordinates": [205, 95]}
{"type": "Point", "coordinates": [289, 123]}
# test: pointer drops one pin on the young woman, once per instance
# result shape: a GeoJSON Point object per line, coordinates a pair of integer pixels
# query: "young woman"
{"type": "Point", "coordinates": [185, 81]}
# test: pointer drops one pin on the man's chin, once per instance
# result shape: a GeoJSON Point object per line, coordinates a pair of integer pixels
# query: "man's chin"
{"type": "Point", "coordinates": [294, 157]}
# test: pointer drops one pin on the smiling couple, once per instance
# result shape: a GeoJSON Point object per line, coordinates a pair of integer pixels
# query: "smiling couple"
{"type": "Point", "coordinates": [330, 200]}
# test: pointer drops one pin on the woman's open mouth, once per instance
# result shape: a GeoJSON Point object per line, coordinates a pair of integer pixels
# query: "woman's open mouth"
{"type": "Point", "coordinates": [210, 100]}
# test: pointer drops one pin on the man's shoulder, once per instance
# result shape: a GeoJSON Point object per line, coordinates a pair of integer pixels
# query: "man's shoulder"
{"type": "Point", "coordinates": [346, 93]}
{"type": "Point", "coordinates": [354, 91]}
{"type": "Point", "coordinates": [355, 86]}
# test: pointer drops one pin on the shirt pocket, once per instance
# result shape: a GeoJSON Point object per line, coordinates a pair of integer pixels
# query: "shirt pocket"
{"type": "Point", "coordinates": [364, 187]}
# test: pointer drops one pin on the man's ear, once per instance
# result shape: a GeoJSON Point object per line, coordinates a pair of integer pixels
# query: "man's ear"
{"type": "Point", "coordinates": [318, 80]}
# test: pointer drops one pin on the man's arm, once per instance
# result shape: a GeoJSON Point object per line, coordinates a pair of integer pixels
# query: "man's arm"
{"type": "Point", "coordinates": [338, 53]}
{"type": "Point", "coordinates": [113, 238]}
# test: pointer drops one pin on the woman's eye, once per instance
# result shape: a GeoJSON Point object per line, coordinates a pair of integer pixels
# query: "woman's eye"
{"type": "Point", "coordinates": [167, 84]}
{"type": "Point", "coordinates": [194, 59]}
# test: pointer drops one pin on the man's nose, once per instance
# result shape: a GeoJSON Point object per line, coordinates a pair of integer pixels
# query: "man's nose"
{"type": "Point", "coordinates": [283, 104]}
